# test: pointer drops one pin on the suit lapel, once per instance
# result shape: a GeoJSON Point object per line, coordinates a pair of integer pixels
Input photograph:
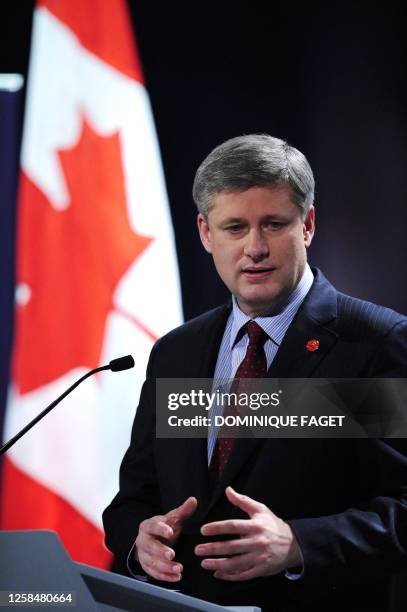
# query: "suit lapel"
{"type": "Point", "coordinates": [295, 357]}
{"type": "Point", "coordinates": [313, 321]}
{"type": "Point", "coordinates": [208, 338]}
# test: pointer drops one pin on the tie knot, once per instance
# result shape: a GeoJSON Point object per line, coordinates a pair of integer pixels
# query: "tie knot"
{"type": "Point", "coordinates": [257, 336]}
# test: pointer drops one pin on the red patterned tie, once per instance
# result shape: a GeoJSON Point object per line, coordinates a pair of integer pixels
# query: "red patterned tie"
{"type": "Point", "coordinates": [254, 365]}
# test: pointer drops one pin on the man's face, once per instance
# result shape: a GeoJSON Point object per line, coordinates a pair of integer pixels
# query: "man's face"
{"type": "Point", "coordinates": [258, 239]}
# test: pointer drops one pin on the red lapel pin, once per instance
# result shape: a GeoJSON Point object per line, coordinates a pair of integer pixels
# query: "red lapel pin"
{"type": "Point", "coordinates": [312, 345]}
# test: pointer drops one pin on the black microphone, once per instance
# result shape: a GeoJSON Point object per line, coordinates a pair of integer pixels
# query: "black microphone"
{"type": "Point", "coordinates": [116, 365]}
{"type": "Point", "coordinates": [121, 363]}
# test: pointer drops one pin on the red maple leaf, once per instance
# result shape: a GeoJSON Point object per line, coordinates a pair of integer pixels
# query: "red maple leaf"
{"type": "Point", "coordinates": [72, 261]}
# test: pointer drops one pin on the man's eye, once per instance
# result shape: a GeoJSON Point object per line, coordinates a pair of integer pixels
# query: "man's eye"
{"type": "Point", "coordinates": [274, 225]}
{"type": "Point", "coordinates": [234, 228]}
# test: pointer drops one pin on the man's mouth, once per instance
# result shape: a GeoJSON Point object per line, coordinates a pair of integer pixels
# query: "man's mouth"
{"type": "Point", "coordinates": [256, 273]}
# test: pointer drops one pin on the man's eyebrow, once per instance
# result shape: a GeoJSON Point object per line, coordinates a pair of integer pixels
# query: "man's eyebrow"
{"type": "Point", "coordinates": [270, 217]}
{"type": "Point", "coordinates": [234, 220]}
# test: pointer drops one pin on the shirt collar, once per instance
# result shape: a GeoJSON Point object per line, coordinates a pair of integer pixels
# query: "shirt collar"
{"type": "Point", "coordinates": [275, 326]}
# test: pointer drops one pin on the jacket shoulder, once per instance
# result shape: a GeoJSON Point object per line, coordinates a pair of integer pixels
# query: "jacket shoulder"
{"type": "Point", "coordinates": [179, 351]}
{"type": "Point", "coordinates": [363, 319]}
{"type": "Point", "coordinates": [203, 321]}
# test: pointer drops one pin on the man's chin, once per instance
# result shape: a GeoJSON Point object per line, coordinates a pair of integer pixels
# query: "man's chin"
{"type": "Point", "coordinates": [258, 305]}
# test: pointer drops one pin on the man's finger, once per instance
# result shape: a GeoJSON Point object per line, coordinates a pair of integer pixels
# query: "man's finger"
{"type": "Point", "coordinates": [156, 548]}
{"type": "Point", "coordinates": [158, 575]}
{"type": "Point", "coordinates": [160, 565]}
{"type": "Point", "coordinates": [232, 564]}
{"type": "Point", "coordinates": [230, 526]}
{"type": "Point", "coordinates": [245, 503]}
{"type": "Point", "coordinates": [227, 547]}
{"type": "Point", "coordinates": [157, 528]}
{"type": "Point", "coordinates": [184, 511]}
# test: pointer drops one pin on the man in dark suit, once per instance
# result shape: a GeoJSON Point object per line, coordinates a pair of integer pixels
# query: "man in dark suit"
{"type": "Point", "coordinates": [309, 524]}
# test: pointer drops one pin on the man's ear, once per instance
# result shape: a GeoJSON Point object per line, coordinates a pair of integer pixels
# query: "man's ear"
{"type": "Point", "coordinates": [204, 233]}
{"type": "Point", "coordinates": [309, 227]}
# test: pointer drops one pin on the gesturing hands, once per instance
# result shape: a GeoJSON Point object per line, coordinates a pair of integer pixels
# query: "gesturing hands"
{"type": "Point", "coordinates": [155, 557]}
{"type": "Point", "coordinates": [264, 543]}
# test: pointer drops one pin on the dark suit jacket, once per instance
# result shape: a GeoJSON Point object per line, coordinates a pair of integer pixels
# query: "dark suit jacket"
{"type": "Point", "coordinates": [346, 499]}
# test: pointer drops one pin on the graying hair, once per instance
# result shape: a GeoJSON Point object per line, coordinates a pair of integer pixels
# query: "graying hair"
{"type": "Point", "coordinates": [254, 160]}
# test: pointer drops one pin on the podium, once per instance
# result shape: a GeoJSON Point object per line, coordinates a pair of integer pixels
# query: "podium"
{"type": "Point", "coordinates": [36, 572]}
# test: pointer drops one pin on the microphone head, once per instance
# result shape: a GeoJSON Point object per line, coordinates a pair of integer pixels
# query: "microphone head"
{"type": "Point", "coordinates": [121, 363]}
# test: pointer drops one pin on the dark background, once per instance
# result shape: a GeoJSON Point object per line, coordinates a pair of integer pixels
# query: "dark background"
{"type": "Point", "coordinates": [330, 79]}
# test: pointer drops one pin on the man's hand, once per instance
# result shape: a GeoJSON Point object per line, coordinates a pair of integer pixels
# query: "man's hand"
{"type": "Point", "coordinates": [155, 557]}
{"type": "Point", "coordinates": [264, 545]}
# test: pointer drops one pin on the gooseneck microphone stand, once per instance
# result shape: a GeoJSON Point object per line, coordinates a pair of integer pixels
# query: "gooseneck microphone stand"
{"type": "Point", "coordinates": [116, 365]}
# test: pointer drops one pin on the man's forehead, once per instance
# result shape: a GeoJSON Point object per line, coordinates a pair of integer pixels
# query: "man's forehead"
{"type": "Point", "coordinates": [266, 201]}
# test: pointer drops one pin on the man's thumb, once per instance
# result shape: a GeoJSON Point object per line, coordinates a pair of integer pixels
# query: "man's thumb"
{"type": "Point", "coordinates": [184, 511]}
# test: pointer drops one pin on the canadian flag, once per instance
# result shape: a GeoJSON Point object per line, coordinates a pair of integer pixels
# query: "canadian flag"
{"type": "Point", "coordinates": [96, 269]}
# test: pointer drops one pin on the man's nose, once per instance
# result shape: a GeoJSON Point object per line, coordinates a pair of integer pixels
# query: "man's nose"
{"type": "Point", "coordinates": [256, 246]}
